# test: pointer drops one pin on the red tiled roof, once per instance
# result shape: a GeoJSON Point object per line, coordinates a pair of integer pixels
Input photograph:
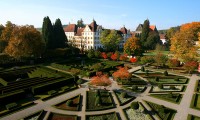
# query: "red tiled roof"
{"type": "Point", "coordinates": [162, 36]}
{"type": "Point", "coordinates": [79, 31]}
{"type": "Point", "coordinates": [71, 28]}
{"type": "Point", "coordinates": [152, 27]}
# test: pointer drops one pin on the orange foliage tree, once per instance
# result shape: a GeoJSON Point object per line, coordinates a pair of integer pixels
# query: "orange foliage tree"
{"type": "Point", "coordinates": [100, 80]}
{"type": "Point", "coordinates": [132, 46]}
{"type": "Point", "coordinates": [182, 43]}
{"type": "Point", "coordinates": [104, 55]}
{"type": "Point", "coordinates": [123, 57]}
{"type": "Point", "coordinates": [122, 73]}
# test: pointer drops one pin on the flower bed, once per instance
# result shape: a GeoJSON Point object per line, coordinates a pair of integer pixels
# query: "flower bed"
{"type": "Point", "coordinates": [138, 114]}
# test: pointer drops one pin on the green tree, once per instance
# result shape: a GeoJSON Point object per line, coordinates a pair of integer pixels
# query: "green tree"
{"type": "Point", "coordinates": [110, 39]}
{"type": "Point", "coordinates": [59, 35]}
{"type": "Point", "coordinates": [48, 33]}
{"type": "Point", "coordinates": [3, 45]}
{"type": "Point", "coordinates": [145, 32]}
{"type": "Point", "coordinates": [25, 41]}
{"type": "Point", "coordinates": [91, 53]}
{"type": "Point", "coordinates": [7, 31]}
{"type": "Point", "coordinates": [135, 105]}
{"type": "Point", "coordinates": [1, 30]}
{"type": "Point", "coordinates": [151, 41]}
{"type": "Point", "coordinates": [80, 23]}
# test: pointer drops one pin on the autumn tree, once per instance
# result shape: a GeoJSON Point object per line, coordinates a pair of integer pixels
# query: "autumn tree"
{"type": "Point", "coordinates": [110, 39]}
{"type": "Point", "coordinates": [101, 80]}
{"type": "Point", "coordinates": [48, 33]}
{"type": "Point", "coordinates": [160, 59]}
{"type": "Point", "coordinates": [132, 46]}
{"type": "Point", "coordinates": [25, 41]}
{"type": "Point", "coordinates": [190, 66]}
{"type": "Point", "coordinates": [170, 33]}
{"type": "Point", "coordinates": [182, 43]}
{"type": "Point", "coordinates": [104, 55]}
{"type": "Point", "coordinates": [60, 38]}
{"type": "Point", "coordinates": [173, 63]}
{"type": "Point", "coordinates": [122, 73]}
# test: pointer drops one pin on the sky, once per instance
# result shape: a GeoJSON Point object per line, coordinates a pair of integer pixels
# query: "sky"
{"type": "Point", "coordinates": [111, 14]}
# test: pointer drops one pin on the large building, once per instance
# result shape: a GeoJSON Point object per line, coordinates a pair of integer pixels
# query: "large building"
{"type": "Point", "coordinates": [88, 37]}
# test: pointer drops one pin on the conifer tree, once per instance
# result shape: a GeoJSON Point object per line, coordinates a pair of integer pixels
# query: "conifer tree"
{"type": "Point", "coordinates": [47, 33]}
{"type": "Point", "coordinates": [59, 35]}
{"type": "Point", "coordinates": [145, 32]}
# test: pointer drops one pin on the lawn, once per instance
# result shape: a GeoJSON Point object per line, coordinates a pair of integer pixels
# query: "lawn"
{"type": "Point", "coordinates": [153, 53]}
{"type": "Point", "coordinates": [108, 116]}
{"type": "Point", "coordinates": [166, 88]}
{"type": "Point", "coordinates": [168, 80]}
{"type": "Point", "coordinates": [123, 100]}
{"type": "Point", "coordinates": [197, 101]}
{"type": "Point", "coordinates": [75, 106]}
{"type": "Point", "coordinates": [137, 88]}
{"type": "Point", "coordinates": [171, 97]}
{"type": "Point", "coordinates": [105, 102]}
{"type": "Point", "coordinates": [192, 117]}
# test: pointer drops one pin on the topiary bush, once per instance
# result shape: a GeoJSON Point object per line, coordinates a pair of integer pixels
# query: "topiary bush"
{"type": "Point", "coordinates": [97, 101]}
{"type": "Point", "coordinates": [172, 87]}
{"type": "Point", "coordinates": [147, 72]}
{"type": "Point", "coordinates": [165, 73]}
{"type": "Point", "coordinates": [157, 79]}
{"type": "Point", "coordinates": [135, 105]}
{"type": "Point", "coordinates": [80, 81]}
{"type": "Point", "coordinates": [142, 69]}
{"type": "Point", "coordinates": [134, 87]}
{"type": "Point", "coordinates": [160, 86]}
{"type": "Point", "coordinates": [69, 103]}
{"type": "Point", "coordinates": [124, 94]}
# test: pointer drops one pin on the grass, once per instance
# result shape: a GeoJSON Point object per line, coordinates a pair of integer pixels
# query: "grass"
{"type": "Point", "coordinates": [175, 98]}
{"type": "Point", "coordinates": [75, 107]}
{"type": "Point", "coordinates": [140, 88]}
{"type": "Point", "coordinates": [166, 88]}
{"type": "Point", "coordinates": [124, 100]}
{"type": "Point", "coordinates": [163, 112]}
{"type": "Point", "coordinates": [196, 103]}
{"type": "Point", "coordinates": [154, 53]}
{"type": "Point", "coordinates": [107, 116]}
{"type": "Point", "coordinates": [105, 98]}
{"type": "Point", "coordinates": [168, 81]}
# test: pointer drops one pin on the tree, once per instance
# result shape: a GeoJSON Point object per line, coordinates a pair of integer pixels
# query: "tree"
{"type": "Point", "coordinates": [97, 54]}
{"type": "Point", "coordinates": [3, 45]}
{"type": "Point", "coordinates": [160, 59]}
{"type": "Point", "coordinates": [173, 63]}
{"type": "Point", "coordinates": [152, 40]}
{"type": "Point", "coordinates": [80, 23]}
{"type": "Point", "coordinates": [7, 31]}
{"type": "Point", "coordinates": [1, 30]}
{"type": "Point", "coordinates": [182, 43]}
{"type": "Point", "coordinates": [48, 33]}
{"type": "Point", "coordinates": [135, 105]}
{"type": "Point", "coordinates": [101, 80]}
{"type": "Point", "coordinates": [132, 46]}
{"type": "Point", "coordinates": [69, 103]}
{"type": "Point", "coordinates": [170, 33]}
{"type": "Point", "coordinates": [165, 73]}
{"type": "Point", "coordinates": [190, 66]}
{"type": "Point", "coordinates": [110, 39]}
{"type": "Point", "coordinates": [25, 41]}
{"type": "Point", "coordinates": [60, 38]}
{"type": "Point", "coordinates": [122, 73]}
{"type": "Point", "coordinates": [145, 32]}
{"type": "Point", "coordinates": [91, 53]}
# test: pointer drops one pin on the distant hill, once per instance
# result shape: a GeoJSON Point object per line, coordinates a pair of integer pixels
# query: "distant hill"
{"type": "Point", "coordinates": [40, 29]}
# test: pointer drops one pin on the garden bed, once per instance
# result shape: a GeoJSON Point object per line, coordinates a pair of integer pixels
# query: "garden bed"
{"type": "Point", "coordinates": [123, 100]}
{"type": "Point", "coordinates": [138, 114]}
{"type": "Point", "coordinates": [166, 88]}
{"type": "Point", "coordinates": [171, 97]}
{"type": "Point", "coordinates": [74, 107]}
{"type": "Point", "coordinates": [137, 88]}
{"type": "Point", "coordinates": [108, 116]}
{"type": "Point", "coordinates": [192, 117]}
{"type": "Point", "coordinates": [196, 101]}
{"type": "Point", "coordinates": [105, 100]}
{"type": "Point", "coordinates": [166, 80]}
{"type": "Point", "coordinates": [56, 116]}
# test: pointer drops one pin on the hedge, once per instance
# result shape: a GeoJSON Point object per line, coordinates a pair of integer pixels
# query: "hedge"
{"type": "Point", "coordinates": [3, 82]}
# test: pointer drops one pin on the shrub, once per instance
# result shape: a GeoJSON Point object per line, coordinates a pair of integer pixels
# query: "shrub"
{"type": "Point", "coordinates": [157, 79]}
{"type": "Point", "coordinates": [109, 55]}
{"type": "Point", "coordinates": [142, 69]}
{"type": "Point", "coordinates": [51, 92]}
{"type": "Point", "coordinates": [135, 105]}
{"type": "Point", "coordinates": [11, 105]}
{"type": "Point", "coordinates": [122, 73]}
{"type": "Point", "coordinates": [80, 81]}
{"type": "Point", "coordinates": [147, 72]}
{"type": "Point", "coordinates": [146, 59]}
{"type": "Point", "coordinates": [160, 86]}
{"type": "Point", "coordinates": [69, 103]}
{"type": "Point", "coordinates": [102, 80]}
{"type": "Point", "coordinates": [172, 87]}
{"type": "Point", "coordinates": [134, 87]}
{"type": "Point", "coordinates": [91, 53]}
{"type": "Point", "coordinates": [165, 73]}
{"type": "Point", "coordinates": [191, 66]}
{"type": "Point", "coordinates": [176, 79]}
{"type": "Point", "coordinates": [124, 94]}
{"type": "Point", "coordinates": [104, 55]}
{"type": "Point", "coordinates": [133, 60]}
{"type": "Point", "coordinates": [97, 54]}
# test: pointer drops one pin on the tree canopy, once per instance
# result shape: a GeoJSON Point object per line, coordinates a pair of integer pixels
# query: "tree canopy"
{"type": "Point", "coordinates": [110, 39]}
{"type": "Point", "coordinates": [132, 46]}
{"type": "Point", "coordinates": [145, 32]}
{"type": "Point", "coordinates": [25, 41]}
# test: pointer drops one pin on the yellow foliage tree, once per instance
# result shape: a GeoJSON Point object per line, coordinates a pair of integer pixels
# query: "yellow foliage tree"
{"type": "Point", "coordinates": [25, 41]}
{"type": "Point", "coordinates": [132, 46]}
{"type": "Point", "coordinates": [183, 42]}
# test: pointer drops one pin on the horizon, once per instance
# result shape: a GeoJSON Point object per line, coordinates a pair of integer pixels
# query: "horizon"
{"type": "Point", "coordinates": [109, 14]}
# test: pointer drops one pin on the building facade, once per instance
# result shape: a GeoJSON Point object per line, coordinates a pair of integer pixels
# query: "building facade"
{"type": "Point", "coordinates": [88, 37]}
